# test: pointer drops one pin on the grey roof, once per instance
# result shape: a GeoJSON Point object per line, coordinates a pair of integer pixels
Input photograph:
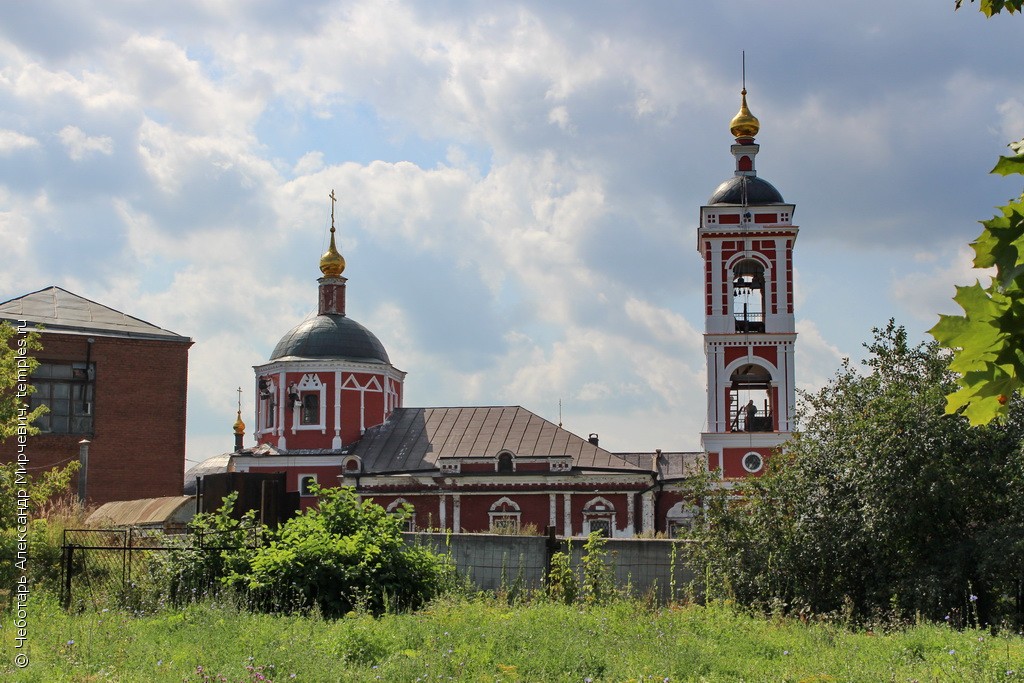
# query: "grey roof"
{"type": "Point", "coordinates": [59, 310]}
{"type": "Point", "coordinates": [213, 465]}
{"type": "Point", "coordinates": [417, 438]}
{"type": "Point", "coordinates": [747, 190]}
{"type": "Point", "coordinates": [169, 510]}
{"type": "Point", "coordinates": [330, 335]}
{"type": "Point", "coordinates": [672, 464]}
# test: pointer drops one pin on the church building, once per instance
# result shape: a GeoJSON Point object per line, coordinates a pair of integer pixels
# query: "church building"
{"type": "Point", "coordinates": [329, 401]}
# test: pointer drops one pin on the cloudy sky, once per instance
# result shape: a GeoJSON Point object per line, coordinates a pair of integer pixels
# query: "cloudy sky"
{"type": "Point", "coordinates": [519, 182]}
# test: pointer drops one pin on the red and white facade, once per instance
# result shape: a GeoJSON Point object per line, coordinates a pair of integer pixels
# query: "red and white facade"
{"type": "Point", "coordinates": [329, 402]}
{"type": "Point", "coordinates": [746, 239]}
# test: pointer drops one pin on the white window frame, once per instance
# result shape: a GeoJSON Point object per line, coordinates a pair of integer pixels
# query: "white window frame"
{"type": "Point", "coordinates": [599, 509]}
{"type": "Point", "coordinates": [410, 523]}
{"type": "Point", "coordinates": [503, 511]}
{"type": "Point", "coordinates": [760, 459]}
{"type": "Point", "coordinates": [310, 384]}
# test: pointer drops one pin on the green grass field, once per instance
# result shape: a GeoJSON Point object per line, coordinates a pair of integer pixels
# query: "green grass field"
{"type": "Point", "coordinates": [488, 640]}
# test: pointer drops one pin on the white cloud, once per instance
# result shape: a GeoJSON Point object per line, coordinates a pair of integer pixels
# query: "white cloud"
{"type": "Point", "coordinates": [80, 145]}
{"type": "Point", "coordinates": [925, 294]}
{"type": "Point", "coordinates": [1011, 112]}
{"type": "Point", "coordinates": [11, 141]}
{"type": "Point", "coordinates": [518, 184]}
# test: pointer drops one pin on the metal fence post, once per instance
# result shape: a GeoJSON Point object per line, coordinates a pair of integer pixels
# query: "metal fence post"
{"type": "Point", "coordinates": [69, 556]}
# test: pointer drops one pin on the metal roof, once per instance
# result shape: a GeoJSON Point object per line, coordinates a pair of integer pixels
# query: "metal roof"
{"type": "Point", "coordinates": [145, 511]}
{"type": "Point", "coordinates": [418, 438]}
{"type": "Point", "coordinates": [330, 335]}
{"type": "Point", "coordinates": [58, 310]}
{"type": "Point", "coordinates": [671, 464]}
{"type": "Point", "coordinates": [747, 190]}
{"type": "Point", "coordinates": [213, 465]}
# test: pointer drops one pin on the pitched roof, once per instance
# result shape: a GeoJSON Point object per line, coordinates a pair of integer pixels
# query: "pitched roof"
{"type": "Point", "coordinates": [418, 438]}
{"type": "Point", "coordinates": [59, 310]}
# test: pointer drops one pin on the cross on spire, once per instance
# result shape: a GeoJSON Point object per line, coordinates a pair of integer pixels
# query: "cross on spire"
{"type": "Point", "coordinates": [334, 200]}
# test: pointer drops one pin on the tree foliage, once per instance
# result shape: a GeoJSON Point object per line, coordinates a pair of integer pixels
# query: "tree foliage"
{"type": "Point", "coordinates": [990, 7]}
{"type": "Point", "coordinates": [344, 555]}
{"type": "Point", "coordinates": [16, 364]}
{"type": "Point", "coordinates": [988, 339]}
{"type": "Point", "coordinates": [881, 503]}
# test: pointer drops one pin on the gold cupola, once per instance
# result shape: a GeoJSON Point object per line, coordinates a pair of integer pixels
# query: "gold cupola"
{"type": "Point", "coordinates": [744, 126]}
{"type": "Point", "coordinates": [332, 263]}
{"type": "Point", "coordinates": [239, 426]}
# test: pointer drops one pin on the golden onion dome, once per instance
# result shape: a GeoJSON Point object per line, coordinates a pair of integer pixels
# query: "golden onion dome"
{"type": "Point", "coordinates": [239, 426]}
{"type": "Point", "coordinates": [332, 263]}
{"type": "Point", "coordinates": [744, 124]}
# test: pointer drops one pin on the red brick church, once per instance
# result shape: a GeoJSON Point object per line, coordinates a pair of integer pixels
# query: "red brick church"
{"type": "Point", "coordinates": [329, 401]}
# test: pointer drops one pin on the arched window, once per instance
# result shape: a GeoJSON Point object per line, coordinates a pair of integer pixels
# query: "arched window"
{"type": "Point", "coordinates": [599, 515]}
{"type": "Point", "coordinates": [748, 300]}
{"type": "Point", "coordinates": [506, 463]}
{"type": "Point", "coordinates": [504, 515]}
{"type": "Point", "coordinates": [679, 519]}
{"type": "Point", "coordinates": [310, 409]}
{"type": "Point", "coordinates": [400, 506]}
{"type": "Point", "coordinates": [750, 394]}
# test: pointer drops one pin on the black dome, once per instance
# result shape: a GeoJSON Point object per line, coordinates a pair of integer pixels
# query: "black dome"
{"type": "Point", "coordinates": [331, 336]}
{"type": "Point", "coordinates": [759, 191]}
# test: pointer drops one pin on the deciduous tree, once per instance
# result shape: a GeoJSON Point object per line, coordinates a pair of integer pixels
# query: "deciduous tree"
{"type": "Point", "coordinates": [881, 502]}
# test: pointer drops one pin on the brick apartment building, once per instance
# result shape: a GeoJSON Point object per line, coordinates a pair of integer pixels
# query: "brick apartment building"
{"type": "Point", "coordinates": [114, 380]}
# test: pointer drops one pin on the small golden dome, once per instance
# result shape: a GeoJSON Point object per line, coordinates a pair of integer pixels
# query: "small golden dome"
{"type": "Point", "coordinates": [744, 124]}
{"type": "Point", "coordinates": [332, 263]}
{"type": "Point", "coordinates": [239, 426]}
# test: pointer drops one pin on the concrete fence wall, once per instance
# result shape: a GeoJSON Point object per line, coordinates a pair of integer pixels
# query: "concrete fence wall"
{"type": "Point", "coordinates": [491, 561]}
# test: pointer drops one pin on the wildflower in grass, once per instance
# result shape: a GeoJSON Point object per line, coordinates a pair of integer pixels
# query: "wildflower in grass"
{"type": "Point", "coordinates": [71, 642]}
{"type": "Point", "coordinates": [973, 598]}
{"type": "Point", "coordinates": [952, 652]}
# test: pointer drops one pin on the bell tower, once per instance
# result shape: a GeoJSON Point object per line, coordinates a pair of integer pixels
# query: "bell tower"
{"type": "Point", "coordinates": [746, 239]}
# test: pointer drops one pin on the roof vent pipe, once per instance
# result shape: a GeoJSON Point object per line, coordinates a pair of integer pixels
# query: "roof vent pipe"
{"type": "Point", "coordinates": [593, 438]}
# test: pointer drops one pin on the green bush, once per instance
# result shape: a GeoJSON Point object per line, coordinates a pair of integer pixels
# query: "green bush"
{"type": "Point", "coordinates": [343, 556]}
{"type": "Point", "coordinates": [881, 506]}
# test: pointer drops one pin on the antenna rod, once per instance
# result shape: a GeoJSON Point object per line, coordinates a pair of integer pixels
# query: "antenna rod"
{"type": "Point", "coordinates": [743, 67]}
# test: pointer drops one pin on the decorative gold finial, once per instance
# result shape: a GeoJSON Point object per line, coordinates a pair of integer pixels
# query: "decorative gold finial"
{"type": "Point", "coordinates": [239, 426]}
{"type": "Point", "coordinates": [332, 263]}
{"type": "Point", "coordinates": [744, 126]}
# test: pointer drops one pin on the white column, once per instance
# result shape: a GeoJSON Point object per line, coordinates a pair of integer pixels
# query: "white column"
{"type": "Point", "coordinates": [282, 397]}
{"type": "Point", "coordinates": [456, 513]}
{"type": "Point", "coordinates": [630, 507]}
{"type": "Point", "coordinates": [552, 503]}
{"type": "Point", "coordinates": [567, 514]}
{"type": "Point", "coordinates": [714, 323]}
{"type": "Point", "coordinates": [336, 443]}
{"type": "Point", "coordinates": [647, 511]}
{"type": "Point", "coordinates": [442, 511]}
{"type": "Point", "coordinates": [362, 410]}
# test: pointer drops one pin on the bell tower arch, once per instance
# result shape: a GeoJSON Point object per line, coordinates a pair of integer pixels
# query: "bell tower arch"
{"type": "Point", "coordinates": [746, 239]}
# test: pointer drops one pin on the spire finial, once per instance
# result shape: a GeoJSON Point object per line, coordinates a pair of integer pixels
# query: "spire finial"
{"type": "Point", "coordinates": [332, 263]}
{"type": "Point", "coordinates": [239, 426]}
{"type": "Point", "coordinates": [744, 126]}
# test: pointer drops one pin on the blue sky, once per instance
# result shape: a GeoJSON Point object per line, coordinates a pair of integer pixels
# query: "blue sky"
{"type": "Point", "coordinates": [519, 182]}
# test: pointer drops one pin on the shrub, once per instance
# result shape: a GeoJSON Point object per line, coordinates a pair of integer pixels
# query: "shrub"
{"type": "Point", "coordinates": [342, 556]}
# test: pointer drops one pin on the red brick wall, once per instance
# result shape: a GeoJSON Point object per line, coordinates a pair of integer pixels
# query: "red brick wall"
{"type": "Point", "coordinates": [138, 442]}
